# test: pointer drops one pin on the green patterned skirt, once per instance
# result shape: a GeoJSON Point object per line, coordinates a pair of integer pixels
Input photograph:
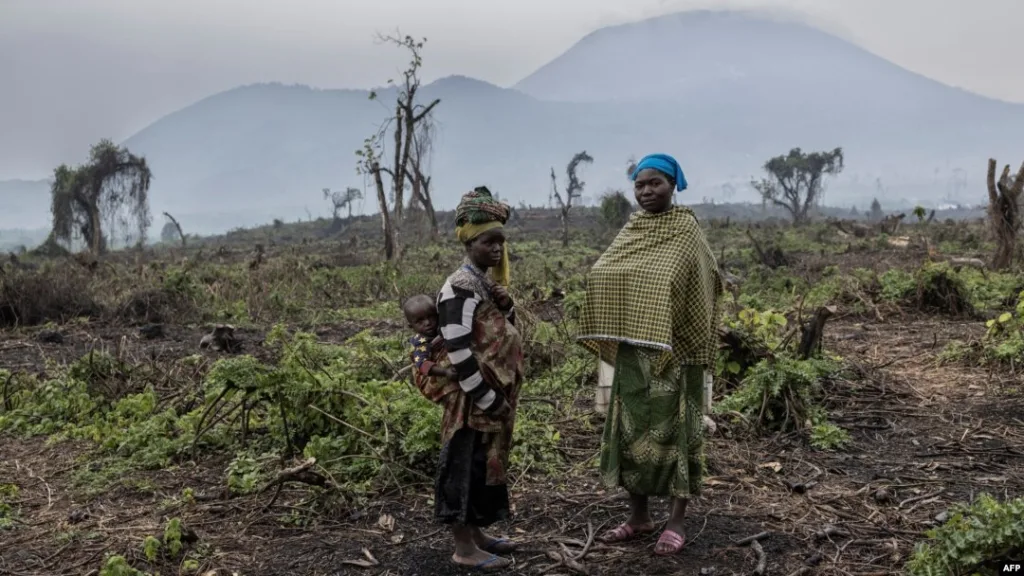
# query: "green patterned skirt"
{"type": "Point", "coordinates": [653, 442]}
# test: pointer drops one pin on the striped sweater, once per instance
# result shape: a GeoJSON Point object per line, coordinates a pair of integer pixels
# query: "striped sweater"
{"type": "Point", "coordinates": [456, 307]}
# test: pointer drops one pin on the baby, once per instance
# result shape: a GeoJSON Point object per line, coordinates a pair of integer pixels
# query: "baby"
{"type": "Point", "coordinates": [433, 374]}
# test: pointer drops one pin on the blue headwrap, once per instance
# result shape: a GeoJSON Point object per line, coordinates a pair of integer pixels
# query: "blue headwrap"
{"type": "Point", "coordinates": [665, 164]}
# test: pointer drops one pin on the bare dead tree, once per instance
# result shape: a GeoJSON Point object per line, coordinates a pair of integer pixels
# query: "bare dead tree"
{"type": "Point", "coordinates": [1004, 207]}
{"type": "Point", "coordinates": [573, 190]}
{"type": "Point", "coordinates": [813, 332]}
{"type": "Point", "coordinates": [891, 224]}
{"type": "Point", "coordinates": [403, 123]}
{"type": "Point", "coordinates": [112, 186]}
{"type": "Point", "coordinates": [419, 161]}
{"type": "Point", "coordinates": [796, 180]}
{"type": "Point", "coordinates": [177, 227]}
{"type": "Point", "coordinates": [341, 200]}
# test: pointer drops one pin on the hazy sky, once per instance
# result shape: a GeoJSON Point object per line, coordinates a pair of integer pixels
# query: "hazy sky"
{"type": "Point", "coordinates": [114, 66]}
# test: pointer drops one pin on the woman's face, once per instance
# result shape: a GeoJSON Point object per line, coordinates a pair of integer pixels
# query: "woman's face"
{"type": "Point", "coordinates": [653, 190]}
{"type": "Point", "coordinates": [485, 250]}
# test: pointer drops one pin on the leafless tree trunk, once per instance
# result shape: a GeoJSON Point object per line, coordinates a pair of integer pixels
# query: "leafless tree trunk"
{"type": "Point", "coordinates": [390, 236]}
{"type": "Point", "coordinates": [178, 226]}
{"type": "Point", "coordinates": [1004, 199]}
{"type": "Point", "coordinates": [421, 148]}
{"type": "Point", "coordinates": [573, 190]}
{"type": "Point", "coordinates": [407, 117]}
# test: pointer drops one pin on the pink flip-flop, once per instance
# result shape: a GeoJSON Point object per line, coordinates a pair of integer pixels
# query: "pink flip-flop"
{"type": "Point", "coordinates": [671, 539]}
{"type": "Point", "coordinates": [623, 532]}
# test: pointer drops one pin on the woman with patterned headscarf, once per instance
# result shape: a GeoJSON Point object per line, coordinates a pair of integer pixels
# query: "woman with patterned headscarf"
{"type": "Point", "coordinates": [652, 311]}
{"type": "Point", "coordinates": [477, 321]}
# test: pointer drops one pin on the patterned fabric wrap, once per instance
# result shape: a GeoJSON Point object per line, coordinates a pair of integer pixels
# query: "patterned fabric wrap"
{"type": "Point", "coordinates": [477, 212]}
{"type": "Point", "coordinates": [653, 442]}
{"type": "Point", "coordinates": [424, 355]}
{"type": "Point", "coordinates": [656, 286]}
{"type": "Point", "coordinates": [498, 348]}
{"type": "Point", "coordinates": [480, 207]}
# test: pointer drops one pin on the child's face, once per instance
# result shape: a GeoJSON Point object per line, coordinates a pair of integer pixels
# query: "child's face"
{"type": "Point", "coordinates": [422, 320]}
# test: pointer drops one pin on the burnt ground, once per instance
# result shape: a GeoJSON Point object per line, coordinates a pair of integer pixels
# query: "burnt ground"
{"type": "Point", "coordinates": [925, 436]}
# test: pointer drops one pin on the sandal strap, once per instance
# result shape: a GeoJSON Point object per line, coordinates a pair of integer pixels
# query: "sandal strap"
{"type": "Point", "coordinates": [497, 543]}
{"type": "Point", "coordinates": [487, 562]}
{"type": "Point", "coordinates": [622, 532]}
{"type": "Point", "coordinates": [672, 539]}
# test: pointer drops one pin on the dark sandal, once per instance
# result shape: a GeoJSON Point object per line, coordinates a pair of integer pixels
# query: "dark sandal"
{"type": "Point", "coordinates": [492, 564]}
{"type": "Point", "coordinates": [500, 546]}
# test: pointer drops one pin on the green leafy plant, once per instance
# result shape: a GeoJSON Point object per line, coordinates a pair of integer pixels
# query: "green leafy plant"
{"type": "Point", "coordinates": [984, 531]}
{"type": "Point", "coordinates": [1004, 339]}
{"type": "Point", "coordinates": [117, 566]}
{"type": "Point", "coordinates": [8, 513]}
{"type": "Point", "coordinates": [151, 548]}
{"type": "Point", "coordinates": [781, 393]}
{"type": "Point", "coordinates": [244, 474]}
{"type": "Point", "coordinates": [828, 436]}
{"type": "Point", "coordinates": [172, 537]}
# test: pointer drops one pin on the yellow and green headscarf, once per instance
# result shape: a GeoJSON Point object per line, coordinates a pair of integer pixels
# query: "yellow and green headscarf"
{"type": "Point", "coordinates": [478, 212]}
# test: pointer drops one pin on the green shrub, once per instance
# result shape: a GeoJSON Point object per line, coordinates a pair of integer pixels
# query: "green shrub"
{"type": "Point", "coordinates": [781, 393]}
{"type": "Point", "coordinates": [984, 531]}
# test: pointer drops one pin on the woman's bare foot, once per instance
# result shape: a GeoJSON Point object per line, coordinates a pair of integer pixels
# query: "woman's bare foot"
{"type": "Point", "coordinates": [493, 545]}
{"type": "Point", "coordinates": [482, 561]}
{"type": "Point", "coordinates": [673, 538]}
{"type": "Point", "coordinates": [639, 522]}
{"type": "Point", "coordinates": [670, 542]}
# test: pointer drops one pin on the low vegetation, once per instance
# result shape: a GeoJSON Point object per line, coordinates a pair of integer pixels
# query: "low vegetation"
{"type": "Point", "coordinates": [262, 376]}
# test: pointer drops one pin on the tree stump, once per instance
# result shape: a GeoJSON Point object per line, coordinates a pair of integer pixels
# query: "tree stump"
{"type": "Point", "coordinates": [812, 333]}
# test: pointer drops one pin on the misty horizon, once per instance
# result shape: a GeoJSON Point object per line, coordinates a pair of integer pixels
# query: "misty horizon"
{"type": "Point", "coordinates": [170, 59]}
{"type": "Point", "coordinates": [271, 113]}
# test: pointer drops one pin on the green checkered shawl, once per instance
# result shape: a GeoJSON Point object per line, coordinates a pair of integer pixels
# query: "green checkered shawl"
{"type": "Point", "coordinates": [656, 286]}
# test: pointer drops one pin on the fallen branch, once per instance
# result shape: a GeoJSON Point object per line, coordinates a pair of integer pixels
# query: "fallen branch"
{"type": "Point", "coordinates": [590, 541]}
{"type": "Point", "coordinates": [830, 531]}
{"type": "Point", "coordinates": [919, 498]}
{"type": "Point", "coordinates": [564, 558]}
{"type": "Point", "coordinates": [343, 423]}
{"type": "Point", "coordinates": [368, 563]}
{"type": "Point", "coordinates": [300, 473]}
{"type": "Point", "coordinates": [969, 262]}
{"type": "Point", "coordinates": [401, 372]}
{"type": "Point", "coordinates": [754, 538]}
{"type": "Point", "coordinates": [762, 558]}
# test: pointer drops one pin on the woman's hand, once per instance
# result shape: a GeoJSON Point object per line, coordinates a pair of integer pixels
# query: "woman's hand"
{"type": "Point", "coordinates": [501, 297]}
{"type": "Point", "coordinates": [452, 375]}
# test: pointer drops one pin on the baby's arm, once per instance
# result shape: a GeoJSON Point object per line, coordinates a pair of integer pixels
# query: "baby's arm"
{"type": "Point", "coordinates": [438, 371]}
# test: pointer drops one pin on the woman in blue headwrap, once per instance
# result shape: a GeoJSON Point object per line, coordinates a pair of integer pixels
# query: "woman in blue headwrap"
{"type": "Point", "coordinates": [651, 311]}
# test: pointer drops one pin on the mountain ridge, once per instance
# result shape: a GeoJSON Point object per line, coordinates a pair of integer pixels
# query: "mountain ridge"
{"type": "Point", "coordinates": [740, 90]}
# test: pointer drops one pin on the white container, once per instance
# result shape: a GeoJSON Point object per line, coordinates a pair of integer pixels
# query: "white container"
{"type": "Point", "coordinates": [605, 376]}
{"type": "Point", "coordinates": [709, 387]}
